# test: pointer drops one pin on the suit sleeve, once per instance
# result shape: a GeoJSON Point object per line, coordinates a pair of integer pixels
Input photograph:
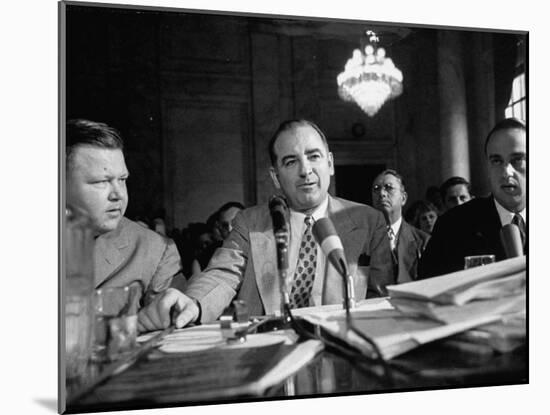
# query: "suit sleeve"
{"type": "Point", "coordinates": [442, 254]}
{"type": "Point", "coordinates": [217, 285]}
{"type": "Point", "coordinates": [380, 271]}
{"type": "Point", "coordinates": [167, 271]}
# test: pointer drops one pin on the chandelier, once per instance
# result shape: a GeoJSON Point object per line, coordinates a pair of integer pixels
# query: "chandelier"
{"type": "Point", "coordinates": [370, 78]}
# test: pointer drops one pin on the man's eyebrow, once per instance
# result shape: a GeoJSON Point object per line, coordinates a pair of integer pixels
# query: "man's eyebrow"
{"type": "Point", "coordinates": [313, 150]}
{"type": "Point", "coordinates": [286, 158]}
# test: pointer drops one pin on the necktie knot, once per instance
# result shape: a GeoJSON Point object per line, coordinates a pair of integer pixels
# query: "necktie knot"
{"type": "Point", "coordinates": [308, 220]}
{"type": "Point", "coordinates": [520, 223]}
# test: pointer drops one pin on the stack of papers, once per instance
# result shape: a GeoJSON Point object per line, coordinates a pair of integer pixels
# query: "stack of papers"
{"type": "Point", "coordinates": [486, 299]}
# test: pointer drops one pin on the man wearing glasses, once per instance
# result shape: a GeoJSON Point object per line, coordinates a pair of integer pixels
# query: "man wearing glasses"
{"type": "Point", "coordinates": [406, 241]}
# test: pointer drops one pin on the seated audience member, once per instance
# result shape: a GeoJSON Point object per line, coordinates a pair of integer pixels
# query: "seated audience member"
{"type": "Point", "coordinates": [246, 264]}
{"type": "Point", "coordinates": [159, 226]}
{"type": "Point", "coordinates": [202, 246]}
{"type": "Point", "coordinates": [222, 226]}
{"type": "Point", "coordinates": [455, 191]}
{"type": "Point", "coordinates": [406, 241]}
{"type": "Point", "coordinates": [424, 216]}
{"type": "Point", "coordinates": [434, 197]}
{"type": "Point", "coordinates": [124, 251]}
{"type": "Point", "coordinates": [225, 217]}
{"type": "Point", "coordinates": [212, 223]}
{"type": "Point", "coordinates": [474, 227]}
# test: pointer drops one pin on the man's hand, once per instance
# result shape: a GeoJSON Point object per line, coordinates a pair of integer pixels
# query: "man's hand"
{"type": "Point", "coordinates": [156, 316]}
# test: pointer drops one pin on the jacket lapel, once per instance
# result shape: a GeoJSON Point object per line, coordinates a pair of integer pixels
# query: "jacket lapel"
{"type": "Point", "coordinates": [263, 253]}
{"type": "Point", "coordinates": [109, 253]}
{"type": "Point", "coordinates": [406, 253]}
{"type": "Point", "coordinates": [489, 226]}
{"type": "Point", "coordinates": [351, 237]}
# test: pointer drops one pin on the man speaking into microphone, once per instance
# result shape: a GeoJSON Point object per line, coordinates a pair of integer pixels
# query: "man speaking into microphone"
{"type": "Point", "coordinates": [246, 265]}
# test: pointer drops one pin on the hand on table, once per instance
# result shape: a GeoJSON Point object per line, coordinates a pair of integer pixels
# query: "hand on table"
{"type": "Point", "coordinates": [156, 316]}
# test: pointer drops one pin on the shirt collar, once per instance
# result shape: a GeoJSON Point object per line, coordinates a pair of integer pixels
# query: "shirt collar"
{"type": "Point", "coordinates": [397, 225]}
{"type": "Point", "coordinates": [319, 212]}
{"type": "Point", "coordinates": [506, 216]}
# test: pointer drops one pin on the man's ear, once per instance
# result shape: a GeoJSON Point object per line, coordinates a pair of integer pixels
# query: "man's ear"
{"type": "Point", "coordinates": [405, 196]}
{"type": "Point", "coordinates": [331, 163]}
{"type": "Point", "coordinates": [274, 177]}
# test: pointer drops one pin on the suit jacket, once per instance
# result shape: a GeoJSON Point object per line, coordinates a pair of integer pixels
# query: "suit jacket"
{"type": "Point", "coordinates": [246, 263]}
{"type": "Point", "coordinates": [130, 253]}
{"type": "Point", "coordinates": [469, 229]}
{"type": "Point", "coordinates": [411, 243]}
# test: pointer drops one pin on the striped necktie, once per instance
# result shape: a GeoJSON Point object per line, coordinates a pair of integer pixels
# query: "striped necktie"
{"type": "Point", "coordinates": [520, 223]}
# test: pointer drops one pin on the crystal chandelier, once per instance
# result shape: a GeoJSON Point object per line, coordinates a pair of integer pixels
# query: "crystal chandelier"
{"type": "Point", "coordinates": [370, 78]}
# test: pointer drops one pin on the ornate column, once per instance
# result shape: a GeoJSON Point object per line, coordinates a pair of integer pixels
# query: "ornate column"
{"type": "Point", "coordinates": [455, 159]}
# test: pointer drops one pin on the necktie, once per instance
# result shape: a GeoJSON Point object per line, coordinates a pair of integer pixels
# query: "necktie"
{"type": "Point", "coordinates": [391, 236]}
{"type": "Point", "coordinates": [520, 223]}
{"type": "Point", "coordinates": [305, 268]}
{"type": "Point", "coordinates": [393, 243]}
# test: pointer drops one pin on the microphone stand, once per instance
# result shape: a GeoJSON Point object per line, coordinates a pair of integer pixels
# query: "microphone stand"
{"type": "Point", "coordinates": [281, 241]}
{"type": "Point", "coordinates": [349, 302]}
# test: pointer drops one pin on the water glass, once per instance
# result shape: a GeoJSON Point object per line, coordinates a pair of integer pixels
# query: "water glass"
{"type": "Point", "coordinates": [478, 260]}
{"type": "Point", "coordinates": [115, 322]}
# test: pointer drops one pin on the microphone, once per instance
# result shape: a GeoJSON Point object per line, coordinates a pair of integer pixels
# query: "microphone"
{"type": "Point", "coordinates": [331, 245]}
{"type": "Point", "coordinates": [511, 240]}
{"type": "Point", "coordinates": [279, 216]}
{"type": "Point", "coordinates": [278, 209]}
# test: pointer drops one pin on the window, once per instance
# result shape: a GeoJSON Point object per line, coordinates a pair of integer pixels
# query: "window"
{"type": "Point", "coordinates": [517, 104]}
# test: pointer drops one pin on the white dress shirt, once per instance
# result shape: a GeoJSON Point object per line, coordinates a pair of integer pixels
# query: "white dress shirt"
{"type": "Point", "coordinates": [395, 228]}
{"type": "Point", "coordinates": [506, 216]}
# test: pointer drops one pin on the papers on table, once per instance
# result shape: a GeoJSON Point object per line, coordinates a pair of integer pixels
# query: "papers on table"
{"type": "Point", "coordinates": [488, 281]}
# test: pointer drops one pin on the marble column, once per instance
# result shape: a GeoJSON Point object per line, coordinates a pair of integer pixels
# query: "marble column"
{"type": "Point", "coordinates": [453, 110]}
{"type": "Point", "coordinates": [482, 118]}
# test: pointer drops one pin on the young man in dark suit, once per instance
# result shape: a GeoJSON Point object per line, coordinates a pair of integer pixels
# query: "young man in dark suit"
{"type": "Point", "coordinates": [474, 227]}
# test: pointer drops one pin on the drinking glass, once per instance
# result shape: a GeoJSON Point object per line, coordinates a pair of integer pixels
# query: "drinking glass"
{"type": "Point", "coordinates": [115, 322]}
{"type": "Point", "coordinates": [478, 260]}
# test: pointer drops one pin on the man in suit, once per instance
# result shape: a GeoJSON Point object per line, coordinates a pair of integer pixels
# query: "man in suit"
{"type": "Point", "coordinates": [406, 242]}
{"type": "Point", "coordinates": [455, 191]}
{"type": "Point", "coordinates": [474, 227]}
{"type": "Point", "coordinates": [246, 264]}
{"type": "Point", "coordinates": [124, 252]}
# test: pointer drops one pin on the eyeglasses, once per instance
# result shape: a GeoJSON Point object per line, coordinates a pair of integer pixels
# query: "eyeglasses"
{"type": "Point", "coordinates": [387, 187]}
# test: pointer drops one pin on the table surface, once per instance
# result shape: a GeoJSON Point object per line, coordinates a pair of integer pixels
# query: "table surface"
{"type": "Point", "coordinates": [160, 381]}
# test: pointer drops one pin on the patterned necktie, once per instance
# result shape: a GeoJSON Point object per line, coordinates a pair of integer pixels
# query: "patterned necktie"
{"type": "Point", "coordinates": [305, 268]}
{"type": "Point", "coordinates": [520, 223]}
{"type": "Point", "coordinates": [393, 244]}
{"type": "Point", "coordinates": [391, 236]}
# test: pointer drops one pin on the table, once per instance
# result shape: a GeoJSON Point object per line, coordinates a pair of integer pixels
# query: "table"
{"type": "Point", "coordinates": [155, 382]}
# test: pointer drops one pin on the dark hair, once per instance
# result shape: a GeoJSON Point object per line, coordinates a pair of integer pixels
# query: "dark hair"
{"type": "Point", "coordinates": [505, 124]}
{"type": "Point", "coordinates": [81, 132]}
{"type": "Point", "coordinates": [289, 125]}
{"type": "Point", "coordinates": [394, 174]}
{"type": "Point", "coordinates": [229, 205]}
{"type": "Point", "coordinates": [453, 181]}
{"type": "Point", "coordinates": [416, 209]}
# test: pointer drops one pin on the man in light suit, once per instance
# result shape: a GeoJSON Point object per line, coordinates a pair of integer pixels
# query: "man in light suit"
{"type": "Point", "coordinates": [246, 263]}
{"type": "Point", "coordinates": [124, 252]}
{"type": "Point", "coordinates": [406, 242]}
{"type": "Point", "coordinates": [474, 227]}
